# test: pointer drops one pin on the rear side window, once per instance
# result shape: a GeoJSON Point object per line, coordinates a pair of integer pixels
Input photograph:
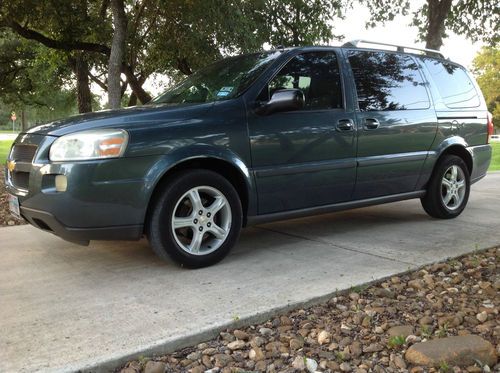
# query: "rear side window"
{"type": "Point", "coordinates": [453, 83]}
{"type": "Point", "coordinates": [387, 81]}
{"type": "Point", "coordinates": [316, 74]}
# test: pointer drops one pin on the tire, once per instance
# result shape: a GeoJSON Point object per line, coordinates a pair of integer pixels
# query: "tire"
{"type": "Point", "coordinates": [206, 211]}
{"type": "Point", "coordinates": [447, 199]}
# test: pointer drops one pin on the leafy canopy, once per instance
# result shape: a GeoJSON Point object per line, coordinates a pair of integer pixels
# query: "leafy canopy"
{"type": "Point", "coordinates": [487, 70]}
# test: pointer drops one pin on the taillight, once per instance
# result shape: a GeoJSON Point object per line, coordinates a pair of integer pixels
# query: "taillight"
{"type": "Point", "coordinates": [491, 129]}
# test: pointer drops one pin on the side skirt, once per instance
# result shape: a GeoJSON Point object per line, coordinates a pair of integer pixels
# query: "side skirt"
{"type": "Point", "coordinates": [317, 210]}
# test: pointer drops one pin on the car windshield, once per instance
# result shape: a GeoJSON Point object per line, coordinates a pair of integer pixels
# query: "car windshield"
{"type": "Point", "coordinates": [222, 80]}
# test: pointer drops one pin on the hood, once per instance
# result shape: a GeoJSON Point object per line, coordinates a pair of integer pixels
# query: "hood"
{"type": "Point", "coordinates": [122, 118]}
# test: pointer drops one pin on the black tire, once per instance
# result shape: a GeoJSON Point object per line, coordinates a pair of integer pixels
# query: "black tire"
{"type": "Point", "coordinates": [159, 228]}
{"type": "Point", "coordinates": [433, 202]}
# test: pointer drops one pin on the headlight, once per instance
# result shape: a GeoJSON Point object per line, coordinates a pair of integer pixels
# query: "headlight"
{"type": "Point", "coordinates": [94, 144]}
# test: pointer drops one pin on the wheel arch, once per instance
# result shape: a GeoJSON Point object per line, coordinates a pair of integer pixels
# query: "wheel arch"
{"type": "Point", "coordinates": [227, 164]}
{"type": "Point", "coordinates": [457, 146]}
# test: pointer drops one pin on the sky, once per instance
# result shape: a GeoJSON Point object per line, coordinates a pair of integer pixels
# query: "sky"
{"type": "Point", "coordinates": [398, 31]}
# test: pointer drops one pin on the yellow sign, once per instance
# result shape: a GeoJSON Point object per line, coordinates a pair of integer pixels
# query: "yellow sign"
{"type": "Point", "coordinates": [11, 165]}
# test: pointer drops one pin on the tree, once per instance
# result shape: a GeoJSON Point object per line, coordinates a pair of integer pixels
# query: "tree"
{"type": "Point", "coordinates": [487, 70]}
{"type": "Point", "coordinates": [117, 53]}
{"type": "Point", "coordinates": [301, 22]}
{"type": "Point", "coordinates": [475, 19]}
{"type": "Point", "coordinates": [172, 37]}
{"type": "Point", "coordinates": [69, 26]}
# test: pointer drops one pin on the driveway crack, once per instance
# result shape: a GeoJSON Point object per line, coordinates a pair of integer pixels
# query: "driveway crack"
{"type": "Point", "coordinates": [334, 245]}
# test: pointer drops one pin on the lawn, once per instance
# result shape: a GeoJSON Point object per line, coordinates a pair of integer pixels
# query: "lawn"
{"type": "Point", "coordinates": [495, 161]}
{"type": "Point", "coordinates": [4, 149]}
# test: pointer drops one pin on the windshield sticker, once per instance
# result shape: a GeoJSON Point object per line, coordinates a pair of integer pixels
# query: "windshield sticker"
{"type": "Point", "coordinates": [224, 91]}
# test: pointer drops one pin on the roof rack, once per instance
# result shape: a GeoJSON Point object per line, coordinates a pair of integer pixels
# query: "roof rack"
{"type": "Point", "coordinates": [400, 48]}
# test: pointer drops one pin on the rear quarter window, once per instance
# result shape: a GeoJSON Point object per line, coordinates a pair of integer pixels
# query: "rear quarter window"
{"type": "Point", "coordinates": [453, 84]}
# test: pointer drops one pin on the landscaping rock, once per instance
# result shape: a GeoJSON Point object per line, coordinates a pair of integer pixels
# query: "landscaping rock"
{"type": "Point", "coordinates": [311, 365]}
{"type": "Point", "coordinates": [236, 345]}
{"type": "Point", "coordinates": [299, 363]}
{"type": "Point", "coordinates": [155, 367]}
{"type": "Point", "coordinates": [241, 335]}
{"type": "Point", "coordinates": [461, 351]}
{"type": "Point", "coordinates": [400, 330]}
{"type": "Point", "coordinates": [482, 316]}
{"type": "Point", "coordinates": [221, 360]}
{"type": "Point", "coordinates": [323, 337]}
{"type": "Point", "coordinates": [352, 332]}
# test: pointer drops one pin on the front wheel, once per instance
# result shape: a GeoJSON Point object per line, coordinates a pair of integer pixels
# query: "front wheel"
{"type": "Point", "coordinates": [196, 219]}
{"type": "Point", "coordinates": [449, 188]}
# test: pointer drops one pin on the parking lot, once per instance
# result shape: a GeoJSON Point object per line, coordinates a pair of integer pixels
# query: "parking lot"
{"type": "Point", "coordinates": [69, 307]}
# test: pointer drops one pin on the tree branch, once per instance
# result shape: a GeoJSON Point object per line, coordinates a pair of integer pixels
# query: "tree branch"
{"type": "Point", "coordinates": [68, 46]}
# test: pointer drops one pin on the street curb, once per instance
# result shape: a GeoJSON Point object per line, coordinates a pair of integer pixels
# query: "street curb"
{"type": "Point", "coordinates": [173, 344]}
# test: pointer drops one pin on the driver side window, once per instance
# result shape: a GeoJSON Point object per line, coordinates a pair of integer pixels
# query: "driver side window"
{"type": "Point", "coordinates": [316, 74]}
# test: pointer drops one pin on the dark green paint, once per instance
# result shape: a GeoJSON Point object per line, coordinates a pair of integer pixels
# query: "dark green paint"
{"type": "Point", "coordinates": [288, 163]}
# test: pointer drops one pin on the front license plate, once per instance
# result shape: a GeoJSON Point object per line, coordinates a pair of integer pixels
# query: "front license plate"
{"type": "Point", "coordinates": [14, 206]}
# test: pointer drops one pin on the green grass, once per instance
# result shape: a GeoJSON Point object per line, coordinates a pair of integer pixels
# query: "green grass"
{"type": "Point", "coordinates": [495, 161]}
{"type": "Point", "coordinates": [4, 149]}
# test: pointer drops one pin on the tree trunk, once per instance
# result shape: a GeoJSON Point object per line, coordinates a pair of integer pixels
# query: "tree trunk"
{"type": "Point", "coordinates": [23, 121]}
{"type": "Point", "coordinates": [438, 11]}
{"type": "Point", "coordinates": [132, 101]}
{"type": "Point", "coordinates": [117, 53]}
{"type": "Point", "coordinates": [82, 84]}
{"type": "Point", "coordinates": [136, 85]}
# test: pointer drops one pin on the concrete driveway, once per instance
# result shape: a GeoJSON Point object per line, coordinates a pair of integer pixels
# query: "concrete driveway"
{"type": "Point", "coordinates": [65, 307]}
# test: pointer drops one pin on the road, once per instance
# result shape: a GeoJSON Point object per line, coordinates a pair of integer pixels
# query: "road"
{"type": "Point", "coordinates": [65, 307]}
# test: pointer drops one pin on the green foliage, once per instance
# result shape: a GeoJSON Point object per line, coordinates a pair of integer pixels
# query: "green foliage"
{"type": "Point", "coordinates": [425, 331]}
{"type": "Point", "coordinates": [301, 22]}
{"type": "Point", "coordinates": [442, 331]}
{"type": "Point", "coordinates": [358, 289]}
{"type": "Point", "coordinates": [173, 37]}
{"type": "Point", "coordinates": [487, 70]}
{"type": "Point", "coordinates": [339, 357]}
{"type": "Point", "coordinates": [396, 341]}
{"type": "Point", "coordinates": [475, 19]}
{"type": "Point", "coordinates": [444, 367]}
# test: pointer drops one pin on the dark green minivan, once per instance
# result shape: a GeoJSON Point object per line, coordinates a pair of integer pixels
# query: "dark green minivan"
{"type": "Point", "coordinates": [255, 138]}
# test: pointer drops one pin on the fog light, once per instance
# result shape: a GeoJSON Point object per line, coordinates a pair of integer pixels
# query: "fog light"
{"type": "Point", "coordinates": [61, 183]}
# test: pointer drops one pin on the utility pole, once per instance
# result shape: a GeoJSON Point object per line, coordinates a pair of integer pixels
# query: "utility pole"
{"type": "Point", "coordinates": [13, 118]}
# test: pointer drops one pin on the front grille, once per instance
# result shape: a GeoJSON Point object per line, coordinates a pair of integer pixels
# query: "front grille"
{"type": "Point", "coordinates": [23, 153]}
{"type": "Point", "coordinates": [21, 180]}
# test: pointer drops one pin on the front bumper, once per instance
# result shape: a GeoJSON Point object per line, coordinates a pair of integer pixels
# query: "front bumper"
{"type": "Point", "coordinates": [48, 222]}
{"type": "Point", "coordinates": [104, 200]}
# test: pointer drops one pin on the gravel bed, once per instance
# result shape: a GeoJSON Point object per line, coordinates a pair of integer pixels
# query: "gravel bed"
{"type": "Point", "coordinates": [365, 329]}
{"type": "Point", "coordinates": [6, 219]}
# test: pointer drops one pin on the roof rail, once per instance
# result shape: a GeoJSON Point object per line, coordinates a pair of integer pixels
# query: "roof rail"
{"type": "Point", "coordinates": [400, 48]}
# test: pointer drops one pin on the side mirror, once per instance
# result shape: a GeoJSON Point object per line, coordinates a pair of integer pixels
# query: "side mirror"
{"type": "Point", "coordinates": [283, 100]}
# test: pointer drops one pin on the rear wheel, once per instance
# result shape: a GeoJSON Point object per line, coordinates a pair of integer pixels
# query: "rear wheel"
{"type": "Point", "coordinates": [196, 219]}
{"type": "Point", "coordinates": [448, 190]}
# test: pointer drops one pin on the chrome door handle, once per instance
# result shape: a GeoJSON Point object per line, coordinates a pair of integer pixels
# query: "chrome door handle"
{"type": "Point", "coordinates": [371, 123]}
{"type": "Point", "coordinates": [345, 125]}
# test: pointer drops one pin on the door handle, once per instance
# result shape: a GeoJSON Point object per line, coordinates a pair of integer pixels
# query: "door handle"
{"type": "Point", "coordinates": [345, 125]}
{"type": "Point", "coordinates": [371, 123]}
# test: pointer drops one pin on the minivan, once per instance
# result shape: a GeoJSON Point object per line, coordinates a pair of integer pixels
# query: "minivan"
{"type": "Point", "coordinates": [256, 138]}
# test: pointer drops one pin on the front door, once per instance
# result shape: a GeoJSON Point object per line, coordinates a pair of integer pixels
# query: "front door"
{"type": "Point", "coordinates": [304, 158]}
{"type": "Point", "coordinates": [396, 122]}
